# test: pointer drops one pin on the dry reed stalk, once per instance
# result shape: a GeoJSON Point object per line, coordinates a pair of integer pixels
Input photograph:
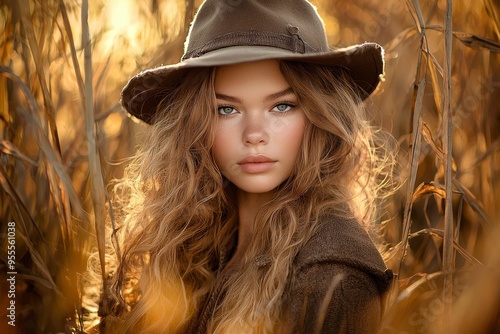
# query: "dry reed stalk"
{"type": "Point", "coordinates": [35, 51]}
{"type": "Point", "coordinates": [434, 232]}
{"type": "Point", "coordinates": [44, 186]}
{"type": "Point", "coordinates": [448, 249]}
{"type": "Point", "coordinates": [96, 176]}
{"type": "Point", "coordinates": [74, 57]}
{"type": "Point", "coordinates": [418, 93]}
{"type": "Point", "coordinates": [483, 295]}
{"type": "Point", "coordinates": [36, 127]}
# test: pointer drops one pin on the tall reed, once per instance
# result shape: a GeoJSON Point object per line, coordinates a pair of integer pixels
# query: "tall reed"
{"type": "Point", "coordinates": [65, 138]}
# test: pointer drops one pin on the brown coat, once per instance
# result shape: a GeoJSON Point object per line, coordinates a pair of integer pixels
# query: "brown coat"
{"type": "Point", "coordinates": [337, 284]}
{"type": "Point", "coordinates": [339, 257]}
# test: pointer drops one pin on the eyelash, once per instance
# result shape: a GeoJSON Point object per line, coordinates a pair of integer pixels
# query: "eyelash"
{"type": "Point", "coordinates": [224, 106]}
{"type": "Point", "coordinates": [289, 104]}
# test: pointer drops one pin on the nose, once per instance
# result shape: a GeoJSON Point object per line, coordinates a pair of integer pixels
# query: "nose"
{"type": "Point", "coordinates": [256, 130]}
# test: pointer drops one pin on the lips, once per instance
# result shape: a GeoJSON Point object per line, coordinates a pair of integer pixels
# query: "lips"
{"type": "Point", "coordinates": [256, 164]}
{"type": "Point", "coordinates": [255, 159]}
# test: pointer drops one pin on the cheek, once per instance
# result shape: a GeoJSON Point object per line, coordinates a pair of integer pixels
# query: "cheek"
{"type": "Point", "coordinates": [220, 149]}
{"type": "Point", "coordinates": [216, 152]}
{"type": "Point", "coordinates": [295, 135]}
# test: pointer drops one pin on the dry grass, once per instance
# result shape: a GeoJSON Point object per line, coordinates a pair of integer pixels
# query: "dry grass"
{"type": "Point", "coordinates": [64, 139]}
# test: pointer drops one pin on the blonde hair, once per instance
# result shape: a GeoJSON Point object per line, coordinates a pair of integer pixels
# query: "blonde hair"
{"type": "Point", "coordinates": [181, 215]}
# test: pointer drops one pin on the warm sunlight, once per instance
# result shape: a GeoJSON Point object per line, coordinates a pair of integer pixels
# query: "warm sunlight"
{"type": "Point", "coordinates": [121, 19]}
{"type": "Point", "coordinates": [129, 22]}
{"type": "Point", "coordinates": [53, 148]}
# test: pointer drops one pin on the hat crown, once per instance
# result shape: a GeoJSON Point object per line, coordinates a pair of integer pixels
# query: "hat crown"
{"type": "Point", "coordinates": [226, 32]}
{"type": "Point", "coordinates": [292, 25]}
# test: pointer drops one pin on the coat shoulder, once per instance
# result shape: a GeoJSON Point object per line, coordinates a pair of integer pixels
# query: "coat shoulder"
{"type": "Point", "coordinates": [344, 242]}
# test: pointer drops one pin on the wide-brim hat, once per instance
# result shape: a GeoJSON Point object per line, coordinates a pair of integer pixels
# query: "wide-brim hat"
{"type": "Point", "coordinates": [226, 32]}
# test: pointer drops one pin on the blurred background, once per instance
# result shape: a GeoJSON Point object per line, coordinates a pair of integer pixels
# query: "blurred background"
{"type": "Point", "coordinates": [64, 138]}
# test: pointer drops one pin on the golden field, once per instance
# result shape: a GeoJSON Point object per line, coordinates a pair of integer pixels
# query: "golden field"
{"type": "Point", "coordinates": [64, 138]}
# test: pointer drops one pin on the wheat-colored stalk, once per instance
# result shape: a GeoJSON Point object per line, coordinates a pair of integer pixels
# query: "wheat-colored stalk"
{"type": "Point", "coordinates": [64, 138]}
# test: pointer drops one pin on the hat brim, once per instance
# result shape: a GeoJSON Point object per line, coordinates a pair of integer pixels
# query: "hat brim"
{"type": "Point", "coordinates": [143, 92]}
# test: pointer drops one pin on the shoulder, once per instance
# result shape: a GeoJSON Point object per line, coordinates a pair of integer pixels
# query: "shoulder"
{"type": "Point", "coordinates": [337, 282]}
{"type": "Point", "coordinates": [344, 242]}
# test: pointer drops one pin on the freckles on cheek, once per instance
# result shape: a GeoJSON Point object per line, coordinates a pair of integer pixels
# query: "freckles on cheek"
{"type": "Point", "coordinates": [278, 126]}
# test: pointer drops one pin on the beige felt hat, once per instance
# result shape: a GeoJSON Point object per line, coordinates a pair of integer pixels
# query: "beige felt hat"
{"type": "Point", "coordinates": [227, 32]}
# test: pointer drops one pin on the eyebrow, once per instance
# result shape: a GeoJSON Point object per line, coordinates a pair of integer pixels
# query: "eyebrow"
{"type": "Point", "coordinates": [271, 97]}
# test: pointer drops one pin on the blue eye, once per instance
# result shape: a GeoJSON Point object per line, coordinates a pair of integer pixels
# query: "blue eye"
{"type": "Point", "coordinates": [226, 110]}
{"type": "Point", "coordinates": [283, 107]}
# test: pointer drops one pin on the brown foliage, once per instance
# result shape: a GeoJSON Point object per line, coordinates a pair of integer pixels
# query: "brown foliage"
{"type": "Point", "coordinates": [64, 138]}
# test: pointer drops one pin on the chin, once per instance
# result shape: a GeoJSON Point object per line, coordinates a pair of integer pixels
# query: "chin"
{"type": "Point", "coordinates": [256, 188]}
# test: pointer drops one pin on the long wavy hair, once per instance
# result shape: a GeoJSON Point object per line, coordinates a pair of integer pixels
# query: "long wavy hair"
{"type": "Point", "coordinates": [181, 215]}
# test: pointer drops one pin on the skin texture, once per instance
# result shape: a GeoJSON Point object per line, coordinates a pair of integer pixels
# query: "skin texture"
{"type": "Point", "coordinates": [258, 119]}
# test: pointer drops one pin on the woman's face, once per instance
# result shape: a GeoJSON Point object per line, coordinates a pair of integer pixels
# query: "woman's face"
{"type": "Point", "coordinates": [260, 126]}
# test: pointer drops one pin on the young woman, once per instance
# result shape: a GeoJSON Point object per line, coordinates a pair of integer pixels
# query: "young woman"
{"type": "Point", "coordinates": [247, 207]}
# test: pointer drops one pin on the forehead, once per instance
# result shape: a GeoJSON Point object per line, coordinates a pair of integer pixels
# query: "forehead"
{"type": "Point", "coordinates": [259, 75]}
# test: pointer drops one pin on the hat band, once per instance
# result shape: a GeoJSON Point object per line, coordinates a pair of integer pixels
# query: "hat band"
{"type": "Point", "coordinates": [291, 42]}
